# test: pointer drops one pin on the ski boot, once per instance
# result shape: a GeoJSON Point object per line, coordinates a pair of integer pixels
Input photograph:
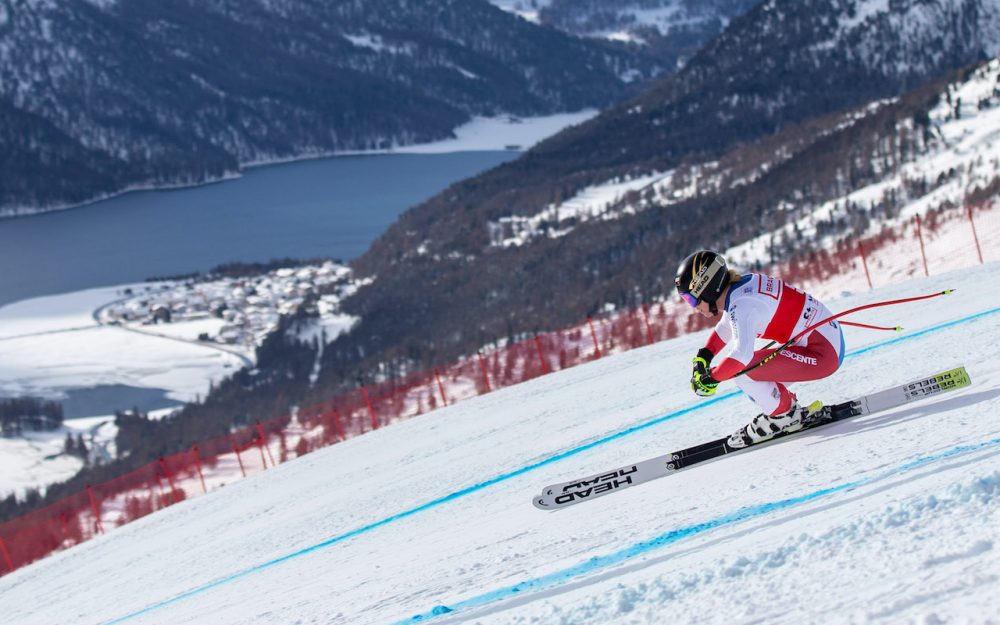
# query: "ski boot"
{"type": "Point", "coordinates": [764, 427]}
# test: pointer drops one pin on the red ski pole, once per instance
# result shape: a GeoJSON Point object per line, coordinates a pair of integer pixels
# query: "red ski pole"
{"type": "Point", "coordinates": [871, 327]}
{"type": "Point", "coordinates": [788, 343]}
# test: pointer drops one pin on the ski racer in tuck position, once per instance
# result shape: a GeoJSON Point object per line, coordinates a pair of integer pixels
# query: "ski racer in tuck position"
{"type": "Point", "coordinates": [758, 306]}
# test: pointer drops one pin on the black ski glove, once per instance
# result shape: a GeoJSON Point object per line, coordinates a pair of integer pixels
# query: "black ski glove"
{"type": "Point", "coordinates": [702, 382]}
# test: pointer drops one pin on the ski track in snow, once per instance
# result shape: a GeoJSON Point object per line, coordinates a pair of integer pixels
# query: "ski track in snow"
{"type": "Point", "coordinates": [891, 518]}
{"type": "Point", "coordinates": [595, 563]}
{"type": "Point", "coordinates": [803, 547]}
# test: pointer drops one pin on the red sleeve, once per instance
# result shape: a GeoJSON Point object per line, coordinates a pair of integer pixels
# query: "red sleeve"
{"type": "Point", "coordinates": [727, 369]}
{"type": "Point", "coordinates": [715, 343]}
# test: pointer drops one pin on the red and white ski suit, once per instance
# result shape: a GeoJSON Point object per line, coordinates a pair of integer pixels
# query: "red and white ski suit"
{"type": "Point", "coordinates": [764, 307]}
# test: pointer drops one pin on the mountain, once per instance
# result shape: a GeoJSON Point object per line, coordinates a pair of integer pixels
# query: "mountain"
{"type": "Point", "coordinates": [785, 132]}
{"type": "Point", "coordinates": [100, 96]}
{"type": "Point", "coordinates": [672, 30]}
{"type": "Point", "coordinates": [780, 81]}
{"type": "Point", "coordinates": [862, 173]}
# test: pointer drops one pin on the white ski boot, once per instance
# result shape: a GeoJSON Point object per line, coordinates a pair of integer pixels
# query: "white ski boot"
{"type": "Point", "coordinates": [764, 427]}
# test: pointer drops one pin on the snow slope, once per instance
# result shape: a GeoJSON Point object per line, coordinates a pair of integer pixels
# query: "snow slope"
{"type": "Point", "coordinates": [893, 518]}
{"type": "Point", "coordinates": [961, 158]}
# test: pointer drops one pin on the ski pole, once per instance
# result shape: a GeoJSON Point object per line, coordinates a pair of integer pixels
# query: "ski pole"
{"type": "Point", "coordinates": [788, 343]}
{"type": "Point", "coordinates": [871, 327]}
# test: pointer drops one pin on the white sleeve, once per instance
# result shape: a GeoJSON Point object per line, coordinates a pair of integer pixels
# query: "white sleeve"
{"type": "Point", "coordinates": [723, 330]}
{"type": "Point", "coordinates": [741, 330]}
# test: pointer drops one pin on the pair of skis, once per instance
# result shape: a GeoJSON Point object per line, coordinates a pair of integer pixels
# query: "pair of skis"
{"type": "Point", "coordinates": [558, 496]}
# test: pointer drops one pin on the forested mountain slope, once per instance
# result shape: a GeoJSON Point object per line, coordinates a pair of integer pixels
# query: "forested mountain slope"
{"type": "Point", "coordinates": [781, 81]}
{"type": "Point", "coordinates": [97, 97]}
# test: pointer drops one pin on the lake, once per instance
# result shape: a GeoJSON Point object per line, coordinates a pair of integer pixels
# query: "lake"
{"type": "Point", "coordinates": [330, 208]}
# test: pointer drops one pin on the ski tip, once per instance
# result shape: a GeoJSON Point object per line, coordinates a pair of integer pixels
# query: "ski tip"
{"type": "Point", "coordinates": [898, 328]}
{"type": "Point", "coordinates": [539, 502]}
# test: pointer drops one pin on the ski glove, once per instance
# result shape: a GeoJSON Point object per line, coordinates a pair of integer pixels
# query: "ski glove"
{"type": "Point", "coordinates": [702, 382]}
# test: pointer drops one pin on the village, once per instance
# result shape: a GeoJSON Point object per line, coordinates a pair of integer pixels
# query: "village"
{"type": "Point", "coordinates": [239, 312]}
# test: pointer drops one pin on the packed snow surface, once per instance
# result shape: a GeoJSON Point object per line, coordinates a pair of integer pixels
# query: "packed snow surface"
{"type": "Point", "coordinates": [891, 518]}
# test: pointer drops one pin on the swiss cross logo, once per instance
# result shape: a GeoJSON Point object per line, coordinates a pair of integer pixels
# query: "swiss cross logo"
{"type": "Point", "coordinates": [769, 286]}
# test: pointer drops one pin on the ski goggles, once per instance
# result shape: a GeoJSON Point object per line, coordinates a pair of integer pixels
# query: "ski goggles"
{"type": "Point", "coordinates": [690, 299]}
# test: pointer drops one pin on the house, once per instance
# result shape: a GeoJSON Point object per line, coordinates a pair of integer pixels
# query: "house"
{"type": "Point", "coordinates": [161, 314]}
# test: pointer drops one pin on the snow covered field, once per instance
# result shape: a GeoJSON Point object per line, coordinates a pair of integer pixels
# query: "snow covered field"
{"type": "Point", "coordinates": [50, 344]}
{"type": "Point", "coordinates": [493, 133]}
{"type": "Point", "coordinates": [36, 458]}
{"type": "Point", "coordinates": [893, 518]}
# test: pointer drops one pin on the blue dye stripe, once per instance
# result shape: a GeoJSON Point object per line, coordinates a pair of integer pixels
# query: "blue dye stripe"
{"type": "Point", "coordinates": [920, 333]}
{"type": "Point", "coordinates": [597, 563]}
{"type": "Point", "coordinates": [495, 480]}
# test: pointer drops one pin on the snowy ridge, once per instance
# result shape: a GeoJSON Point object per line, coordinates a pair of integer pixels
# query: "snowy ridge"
{"type": "Point", "coordinates": [527, 9]}
{"type": "Point", "coordinates": [886, 509]}
{"type": "Point", "coordinates": [962, 157]}
{"type": "Point", "coordinates": [911, 29]}
{"type": "Point", "coordinates": [631, 21]}
{"type": "Point", "coordinates": [591, 203]}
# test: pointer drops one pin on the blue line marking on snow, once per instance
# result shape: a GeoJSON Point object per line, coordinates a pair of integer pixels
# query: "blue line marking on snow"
{"type": "Point", "coordinates": [668, 538]}
{"type": "Point", "coordinates": [495, 480]}
{"type": "Point", "coordinates": [919, 333]}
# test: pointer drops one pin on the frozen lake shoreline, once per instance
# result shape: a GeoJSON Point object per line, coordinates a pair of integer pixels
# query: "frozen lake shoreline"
{"type": "Point", "coordinates": [311, 208]}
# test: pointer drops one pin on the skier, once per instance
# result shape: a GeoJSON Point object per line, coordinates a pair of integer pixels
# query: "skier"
{"type": "Point", "coordinates": [758, 306]}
